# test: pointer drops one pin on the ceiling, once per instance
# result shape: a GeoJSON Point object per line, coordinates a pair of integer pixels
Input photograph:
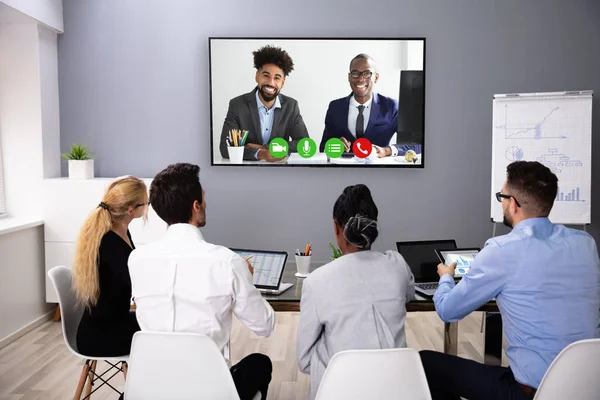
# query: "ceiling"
{"type": "Point", "coordinates": [9, 15]}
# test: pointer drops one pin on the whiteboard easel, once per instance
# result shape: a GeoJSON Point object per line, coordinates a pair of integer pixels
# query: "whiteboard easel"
{"type": "Point", "coordinates": [554, 129]}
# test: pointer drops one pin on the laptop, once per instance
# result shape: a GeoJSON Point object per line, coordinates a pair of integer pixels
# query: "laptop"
{"type": "Point", "coordinates": [423, 261]}
{"type": "Point", "coordinates": [462, 257]}
{"type": "Point", "coordinates": [268, 269]}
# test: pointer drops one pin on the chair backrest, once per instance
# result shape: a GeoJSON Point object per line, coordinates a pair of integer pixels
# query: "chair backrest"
{"type": "Point", "coordinates": [70, 311]}
{"type": "Point", "coordinates": [375, 374]}
{"type": "Point", "coordinates": [574, 374]}
{"type": "Point", "coordinates": [175, 365]}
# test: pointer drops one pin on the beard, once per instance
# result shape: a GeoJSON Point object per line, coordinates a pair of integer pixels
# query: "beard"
{"type": "Point", "coordinates": [507, 221]}
{"type": "Point", "coordinates": [266, 96]}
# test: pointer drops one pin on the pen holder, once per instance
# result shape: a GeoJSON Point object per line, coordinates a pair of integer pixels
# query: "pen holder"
{"type": "Point", "coordinates": [236, 154]}
{"type": "Point", "coordinates": [303, 266]}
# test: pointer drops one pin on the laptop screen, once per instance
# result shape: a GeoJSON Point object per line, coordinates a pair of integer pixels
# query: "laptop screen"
{"type": "Point", "coordinates": [268, 266]}
{"type": "Point", "coordinates": [421, 258]}
{"type": "Point", "coordinates": [462, 258]}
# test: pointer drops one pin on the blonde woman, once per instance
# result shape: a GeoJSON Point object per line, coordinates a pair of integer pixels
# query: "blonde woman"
{"type": "Point", "coordinates": [100, 274]}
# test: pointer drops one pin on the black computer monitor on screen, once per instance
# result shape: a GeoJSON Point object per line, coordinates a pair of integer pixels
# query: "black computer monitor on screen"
{"type": "Point", "coordinates": [411, 106]}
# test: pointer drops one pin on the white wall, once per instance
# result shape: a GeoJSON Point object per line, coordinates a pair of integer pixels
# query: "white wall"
{"type": "Point", "coordinates": [21, 119]}
{"type": "Point", "coordinates": [320, 74]}
{"type": "Point", "coordinates": [30, 135]}
{"type": "Point", "coordinates": [22, 280]}
{"type": "Point", "coordinates": [49, 103]}
{"type": "Point", "coordinates": [48, 12]}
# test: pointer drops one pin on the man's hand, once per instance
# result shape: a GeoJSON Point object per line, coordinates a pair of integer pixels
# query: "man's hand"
{"type": "Point", "coordinates": [347, 145]}
{"type": "Point", "coordinates": [444, 269]}
{"type": "Point", "coordinates": [383, 151]}
{"type": "Point", "coordinates": [266, 155]}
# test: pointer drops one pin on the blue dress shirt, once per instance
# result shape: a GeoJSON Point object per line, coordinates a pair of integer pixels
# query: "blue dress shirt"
{"type": "Point", "coordinates": [546, 281]}
{"type": "Point", "coordinates": [266, 118]}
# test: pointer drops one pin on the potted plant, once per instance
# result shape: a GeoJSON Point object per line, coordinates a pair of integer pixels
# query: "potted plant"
{"type": "Point", "coordinates": [81, 164]}
{"type": "Point", "coordinates": [335, 252]}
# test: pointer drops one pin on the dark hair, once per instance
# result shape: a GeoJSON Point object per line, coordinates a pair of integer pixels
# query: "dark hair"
{"type": "Point", "coordinates": [273, 55]}
{"type": "Point", "coordinates": [173, 192]}
{"type": "Point", "coordinates": [533, 185]}
{"type": "Point", "coordinates": [361, 56]}
{"type": "Point", "coordinates": [356, 212]}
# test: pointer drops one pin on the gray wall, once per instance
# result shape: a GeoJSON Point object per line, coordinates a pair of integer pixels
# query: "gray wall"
{"type": "Point", "coordinates": [134, 87]}
{"type": "Point", "coordinates": [22, 279]}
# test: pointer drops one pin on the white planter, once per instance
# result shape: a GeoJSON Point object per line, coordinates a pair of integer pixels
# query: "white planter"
{"type": "Point", "coordinates": [81, 169]}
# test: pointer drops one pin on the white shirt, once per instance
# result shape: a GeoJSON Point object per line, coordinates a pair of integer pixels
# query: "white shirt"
{"type": "Point", "coordinates": [353, 114]}
{"type": "Point", "coordinates": [181, 283]}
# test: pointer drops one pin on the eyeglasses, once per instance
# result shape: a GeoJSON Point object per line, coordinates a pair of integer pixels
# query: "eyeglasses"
{"type": "Point", "coordinates": [142, 205]}
{"type": "Point", "coordinates": [500, 196]}
{"type": "Point", "coordinates": [365, 74]}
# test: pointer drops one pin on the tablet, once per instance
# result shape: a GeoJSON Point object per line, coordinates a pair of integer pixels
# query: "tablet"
{"type": "Point", "coordinates": [462, 257]}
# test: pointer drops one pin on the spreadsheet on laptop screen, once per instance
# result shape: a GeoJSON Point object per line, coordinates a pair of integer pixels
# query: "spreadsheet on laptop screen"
{"type": "Point", "coordinates": [268, 267]}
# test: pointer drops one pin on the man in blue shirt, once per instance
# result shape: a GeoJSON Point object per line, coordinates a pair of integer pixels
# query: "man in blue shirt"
{"type": "Point", "coordinates": [546, 281]}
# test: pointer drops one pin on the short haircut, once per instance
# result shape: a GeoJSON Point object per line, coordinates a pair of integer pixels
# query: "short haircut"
{"type": "Point", "coordinates": [273, 55]}
{"type": "Point", "coordinates": [356, 212]}
{"type": "Point", "coordinates": [363, 56]}
{"type": "Point", "coordinates": [533, 185]}
{"type": "Point", "coordinates": [173, 192]}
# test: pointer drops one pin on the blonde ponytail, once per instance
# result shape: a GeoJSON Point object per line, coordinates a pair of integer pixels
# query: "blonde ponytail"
{"type": "Point", "coordinates": [85, 267]}
{"type": "Point", "coordinates": [121, 195]}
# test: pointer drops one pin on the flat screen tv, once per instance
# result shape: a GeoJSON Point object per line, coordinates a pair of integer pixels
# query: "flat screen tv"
{"type": "Point", "coordinates": [318, 102]}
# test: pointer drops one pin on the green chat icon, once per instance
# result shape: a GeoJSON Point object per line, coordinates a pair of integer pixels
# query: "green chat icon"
{"type": "Point", "coordinates": [334, 147]}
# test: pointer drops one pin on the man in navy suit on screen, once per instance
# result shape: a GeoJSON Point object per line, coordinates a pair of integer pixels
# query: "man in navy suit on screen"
{"type": "Point", "coordinates": [364, 113]}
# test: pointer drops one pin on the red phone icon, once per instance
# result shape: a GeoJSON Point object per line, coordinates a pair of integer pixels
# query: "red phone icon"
{"type": "Point", "coordinates": [362, 148]}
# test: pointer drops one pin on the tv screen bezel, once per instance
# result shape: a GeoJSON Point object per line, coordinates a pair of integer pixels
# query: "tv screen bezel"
{"type": "Point", "coordinates": [316, 165]}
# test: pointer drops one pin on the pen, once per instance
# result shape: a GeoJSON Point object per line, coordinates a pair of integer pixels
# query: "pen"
{"type": "Point", "coordinates": [297, 252]}
{"type": "Point", "coordinates": [249, 257]}
{"type": "Point", "coordinates": [244, 138]}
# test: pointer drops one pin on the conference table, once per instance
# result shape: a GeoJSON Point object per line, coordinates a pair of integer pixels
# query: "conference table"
{"type": "Point", "coordinates": [289, 301]}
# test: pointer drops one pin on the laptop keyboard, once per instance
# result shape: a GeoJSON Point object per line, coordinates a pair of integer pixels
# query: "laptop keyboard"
{"type": "Point", "coordinates": [427, 286]}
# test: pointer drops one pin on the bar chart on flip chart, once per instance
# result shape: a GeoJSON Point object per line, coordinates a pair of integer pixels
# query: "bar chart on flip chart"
{"type": "Point", "coordinates": [554, 129]}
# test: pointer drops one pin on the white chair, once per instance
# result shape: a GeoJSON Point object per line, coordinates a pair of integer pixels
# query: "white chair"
{"type": "Point", "coordinates": [574, 374]}
{"type": "Point", "coordinates": [71, 314]}
{"type": "Point", "coordinates": [374, 374]}
{"type": "Point", "coordinates": [175, 365]}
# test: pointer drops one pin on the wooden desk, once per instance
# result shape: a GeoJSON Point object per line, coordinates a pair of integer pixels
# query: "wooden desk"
{"type": "Point", "coordinates": [289, 301]}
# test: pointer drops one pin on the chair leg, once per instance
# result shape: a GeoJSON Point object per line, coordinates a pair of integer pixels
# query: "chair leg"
{"type": "Point", "coordinates": [57, 313]}
{"type": "Point", "coordinates": [88, 388]}
{"type": "Point", "coordinates": [124, 367]}
{"type": "Point", "coordinates": [84, 374]}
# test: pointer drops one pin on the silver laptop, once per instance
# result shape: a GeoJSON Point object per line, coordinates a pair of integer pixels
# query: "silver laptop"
{"type": "Point", "coordinates": [268, 269]}
{"type": "Point", "coordinates": [422, 260]}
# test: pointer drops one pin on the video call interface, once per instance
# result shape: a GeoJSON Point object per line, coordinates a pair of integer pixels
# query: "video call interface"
{"type": "Point", "coordinates": [320, 102]}
{"type": "Point", "coordinates": [268, 267]}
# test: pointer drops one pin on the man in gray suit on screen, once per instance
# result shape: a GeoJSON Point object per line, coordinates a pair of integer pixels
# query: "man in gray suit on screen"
{"type": "Point", "coordinates": [265, 113]}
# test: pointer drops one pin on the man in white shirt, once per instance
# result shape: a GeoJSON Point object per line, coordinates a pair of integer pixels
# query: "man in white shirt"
{"type": "Point", "coordinates": [181, 283]}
